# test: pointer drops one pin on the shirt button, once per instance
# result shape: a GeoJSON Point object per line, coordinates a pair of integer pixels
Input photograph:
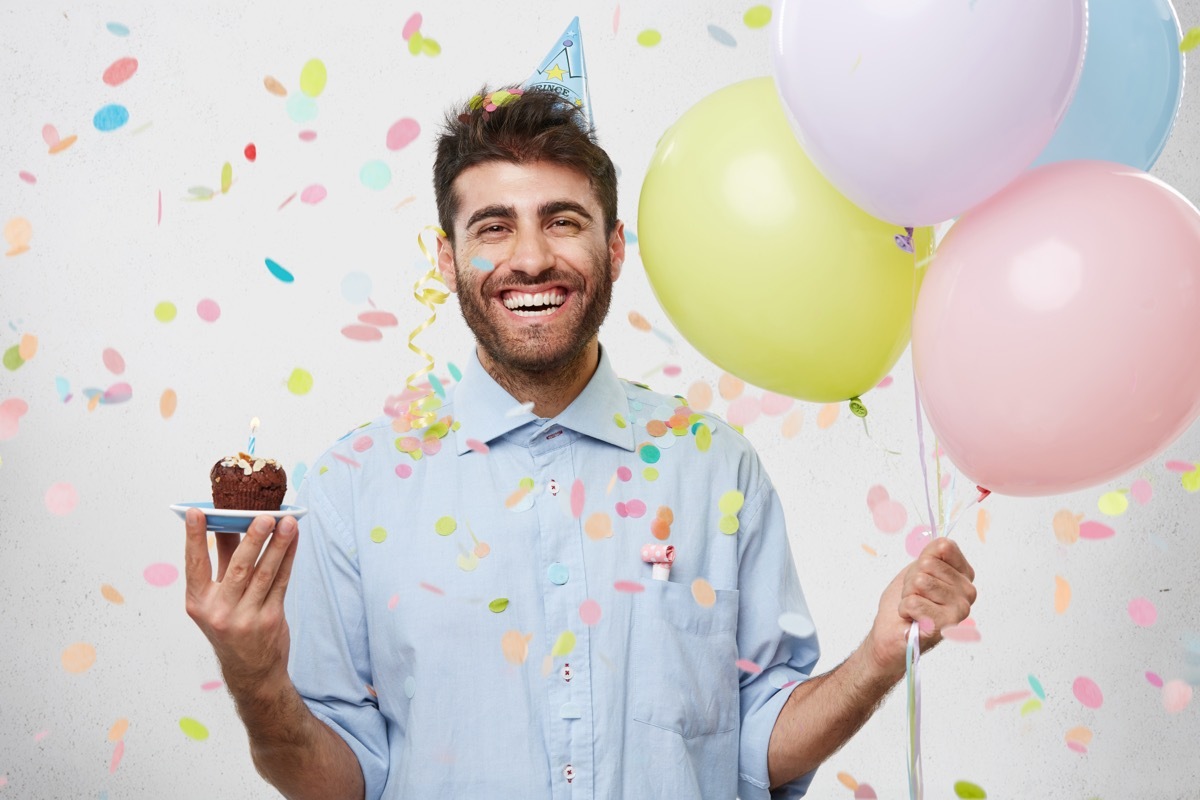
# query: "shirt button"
{"type": "Point", "coordinates": [553, 487]}
{"type": "Point", "coordinates": [569, 773]}
{"type": "Point", "coordinates": [558, 573]}
{"type": "Point", "coordinates": [566, 673]}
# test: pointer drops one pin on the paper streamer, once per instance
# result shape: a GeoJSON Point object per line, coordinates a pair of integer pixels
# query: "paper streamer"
{"type": "Point", "coordinates": [430, 297]}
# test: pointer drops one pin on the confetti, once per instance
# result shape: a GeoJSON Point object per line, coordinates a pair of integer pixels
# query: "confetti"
{"type": "Point", "coordinates": [589, 612]}
{"type": "Point", "coordinates": [17, 232]}
{"type": "Point", "coordinates": [968, 791]}
{"type": "Point", "coordinates": [279, 272]}
{"type": "Point", "coordinates": [375, 175]}
{"type": "Point", "coordinates": [730, 387]}
{"type": "Point", "coordinates": [312, 195]}
{"type": "Point", "coordinates": [1154, 680]}
{"type": "Point", "coordinates": [445, 526]}
{"type": "Point", "coordinates": [1078, 738]}
{"type": "Point", "coordinates": [577, 498]}
{"type": "Point", "coordinates": [378, 534]}
{"type": "Point", "coordinates": [1087, 692]}
{"type": "Point", "coordinates": [865, 792]}
{"type": "Point", "coordinates": [1177, 694]}
{"type": "Point", "coordinates": [757, 17]}
{"type": "Point", "coordinates": [703, 593]}
{"type": "Point", "coordinates": [1190, 40]}
{"type": "Point", "coordinates": [113, 361]}
{"type": "Point", "coordinates": [1066, 526]}
{"type": "Point", "coordinates": [649, 38]}
{"type": "Point", "coordinates": [11, 411]}
{"type": "Point", "coordinates": [498, 605]}
{"type": "Point", "coordinates": [748, 666]}
{"type": "Point", "coordinates": [1142, 491]}
{"type": "Point", "coordinates": [120, 71]}
{"type": "Point", "coordinates": [111, 595]}
{"type": "Point", "coordinates": [563, 645]}
{"type": "Point", "coordinates": [110, 118]}
{"type": "Point", "coordinates": [160, 574]}
{"type": "Point", "coordinates": [1003, 699]}
{"type": "Point", "coordinates": [721, 36]}
{"type": "Point", "coordinates": [193, 729]}
{"type": "Point", "coordinates": [118, 729]}
{"type": "Point", "coordinates": [515, 646]}
{"type": "Point", "coordinates": [165, 311]}
{"type": "Point", "coordinates": [117, 29]}
{"type": "Point", "coordinates": [402, 133]}
{"type": "Point", "coordinates": [629, 587]}
{"type": "Point", "coordinates": [1113, 504]}
{"type": "Point", "coordinates": [78, 658]}
{"type": "Point", "coordinates": [792, 424]}
{"type": "Point", "coordinates": [846, 780]}
{"type": "Point", "coordinates": [1095, 530]}
{"type": "Point", "coordinates": [411, 26]}
{"type": "Point", "coordinates": [61, 499]}
{"type": "Point", "coordinates": [1062, 594]}
{"type": "Point", "coordinates": [743, 411]}
{"type": "Point", "coordinates": [1142, 612]}
{"type": "Point", "coordinates": [598, 526]}
{"type": "Point", "coordinates": [1036, 685]}
{"type": "Point", "coordinates": [312, 77]}
{"type": "Point", "coordinates": [828, 415]}
{"type": "Point", "coordinates": [300, 382]}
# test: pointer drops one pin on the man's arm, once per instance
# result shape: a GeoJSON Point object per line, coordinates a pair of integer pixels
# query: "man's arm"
{"type": "Point", "coordinates": [824, 712]}
{"type": "Point", "coordinates": [241, 613]}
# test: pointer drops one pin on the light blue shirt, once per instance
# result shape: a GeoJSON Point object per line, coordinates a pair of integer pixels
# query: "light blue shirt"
{"type": "Point", "coordinates": [593, 680]}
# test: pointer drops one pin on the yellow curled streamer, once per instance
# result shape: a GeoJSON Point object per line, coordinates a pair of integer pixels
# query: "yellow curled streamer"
{"type": "Point", "coordinates": [428, 297]}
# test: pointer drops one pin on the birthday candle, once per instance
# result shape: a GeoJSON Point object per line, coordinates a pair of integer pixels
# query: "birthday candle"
{"type": "Point", "coordinates": [254, 423]}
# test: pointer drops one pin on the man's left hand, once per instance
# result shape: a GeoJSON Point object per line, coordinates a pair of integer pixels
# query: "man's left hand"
{"type": "Point", "coordinates": [935, 591]}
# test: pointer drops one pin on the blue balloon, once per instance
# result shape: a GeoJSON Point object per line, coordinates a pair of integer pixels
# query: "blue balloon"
{"type": "Point", "coordinates": [1130, 88]}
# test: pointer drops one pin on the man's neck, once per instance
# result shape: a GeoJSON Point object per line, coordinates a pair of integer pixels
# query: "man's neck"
{"type": "Point", "coordinates": [550, 392]}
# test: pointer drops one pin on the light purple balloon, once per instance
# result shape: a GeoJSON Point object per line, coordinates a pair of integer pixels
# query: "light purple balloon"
{"type": "Point", "coordinates": [918, 110]}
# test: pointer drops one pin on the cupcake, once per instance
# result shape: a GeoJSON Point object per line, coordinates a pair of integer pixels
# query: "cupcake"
{"type": "Point", "coordinates": [249, 483]}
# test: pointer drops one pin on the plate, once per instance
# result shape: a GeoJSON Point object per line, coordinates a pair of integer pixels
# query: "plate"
{"type": "Point", "coordinates": [228, 520]}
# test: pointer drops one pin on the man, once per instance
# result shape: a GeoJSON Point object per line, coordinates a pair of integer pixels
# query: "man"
{"type": "Point", "coordinates": [485, 626]}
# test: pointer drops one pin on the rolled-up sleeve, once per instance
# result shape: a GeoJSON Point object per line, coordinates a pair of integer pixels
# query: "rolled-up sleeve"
{"type": "Point", "coordinates": [769, 587]}
{"type": "Point", "coordinates": [329, 661]}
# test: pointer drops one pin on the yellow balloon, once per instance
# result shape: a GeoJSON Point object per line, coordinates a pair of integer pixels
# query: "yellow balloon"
{"type": "Point", "coordinates": [768, 270]}
{"type": "Point", "coordinates": [313, 77]}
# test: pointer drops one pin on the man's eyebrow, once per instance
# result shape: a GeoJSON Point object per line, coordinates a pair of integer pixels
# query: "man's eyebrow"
{"type": "Point", "coordinates": [502, 212]}
{"type": "Point", "coordinates": [558, 206]}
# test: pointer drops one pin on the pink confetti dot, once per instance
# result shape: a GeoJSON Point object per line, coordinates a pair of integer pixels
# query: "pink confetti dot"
{"type": "Point", "coordinates": [308, 136]}
{"type": "Point", "coordinates": [1095, 530]}
{"type": "Point", "coordinates": [743, 411]}
{"type": "Point", "coordinates": [117, 393]}
{"type": "Point", "coordinates": [1176, 696]}
{"type": "Point", "coordinates": [774, 405]}
{"type": "Point", "coordinates": [478, 446]}
{"type": "Point", "coordinates": [411, 26]}
{"type": "Point", "coordinates": [113, 361]}
{"type": "Point", "coordinates": [886, 382]}
{"type": "Point", "coordinates": [313, 194]}
{"type": "Point", "coordinates": [209, 686]}
{"type": "Point", "coordinates": [865, 792]}
{"type": "Point", "coordinates": [403, 470]}
{"type": "Point", "coordinates": [118, 751]}
{"type": "Point", "coordinates": [27, 177]}
{"type": "Point", "coordinates": [622, 510]}
{"type": "Point", "coordinates": [1142, 612]}
{"type": "Point", "coordinates": [1180, 466]}
{"type": "Point", "coordinates": [917, 539]}
{"type": "Point", "coordinates": [1141, 491]}
{"type": "Point", "coordinates": [403, 133]}
{"type": "Point", "coordinates": [160, 574]}
{"type": "Point", "coordinates": [672, 370]}
{"type": "Point", "coordinates": [624, 473]}
{"type": "Point", "coordinates": [876, 495]}
{"type": "Point", "coordinates": [409, 444]}
{"type": "Point", "coordinates": [208, 310]}
{"type": "Point", "coordinates": [393, 601]}
{"type": "Point", "coordinates": [889, 516]}
{"type": "Point", "coordinates": [1087, 692]}
{"type": "Point", "coordinates": [636, 508]}
{"type": "Point", "coordinates": [120, 71]}
{"type": "Point", "coordinates": [431, 446]}
{"type": "Point", "coordinates": [746, 665]}
{"type": "Point", "coordinates": [11, 411]}
{"type": "Point", "coordinates": [362, 333]}
{"type": "Point", "coordinates": [577, 498]}
{"type": "Point", "coordinates": [362, 444]}
{"type": "Point", "coordinates": [589, 612]}
{"type": "Point", "coordinates": [380, 319]}
{"type": "Point", "coordinates": [1078, 747]}
{"type": "Point", "coordinates": [61, 499]}
{"type": "Point", "coordinates": [630, 587]}
{"type": "Point", "coordinates": [1154, 680]}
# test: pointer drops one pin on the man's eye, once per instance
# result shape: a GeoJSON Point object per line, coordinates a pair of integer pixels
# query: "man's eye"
{"type": "Point", "coordinates": [561, 223]}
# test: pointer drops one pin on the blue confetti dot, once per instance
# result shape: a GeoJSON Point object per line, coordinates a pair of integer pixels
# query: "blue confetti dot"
{"type": "Point", "coordinates": [455, 372]}
{"type": "Point", "coordinates": [110, 118]}
{"type": "Point", "coordinates": [375, 175]}
{"type": "Point", "coordinates": [280, 272]}
{"type": "Point", "coordinates": [117, 29]}
{"type": "Point", "coordinates": [301, 108]}
{"type": "Point", "coordinates": [722, 36]}
{"type": "Point", "coordinates": [482, 264]}
{"type": "Point", "coordinates": [630, 237]}
{"type": "Point", "coordinates": [438, 388]}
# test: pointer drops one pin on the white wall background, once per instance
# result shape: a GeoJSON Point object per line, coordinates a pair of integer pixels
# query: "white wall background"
{"type": "Point", "coordinates": [99, 262]}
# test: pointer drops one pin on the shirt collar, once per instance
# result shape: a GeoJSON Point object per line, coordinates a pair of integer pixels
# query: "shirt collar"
{"type": "Point", "coordinates": [486, 411]}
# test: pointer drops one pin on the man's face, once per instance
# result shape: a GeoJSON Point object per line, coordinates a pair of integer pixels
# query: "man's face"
{"type": "Point", "coordinates": [532, 266]}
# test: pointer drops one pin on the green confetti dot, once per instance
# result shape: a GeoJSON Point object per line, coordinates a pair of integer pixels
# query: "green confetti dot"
{"type": "Point", "coordinates": [728, 524]}
{"type": "Point", "coordinates": [498, 605]}
{"type": "Point", "coordinates": [378, 534]}
{"type": "Point", "coordinates": [564, 644]}
{"type": "Point", "coordinates": [12, 357]}
{"type": "Point", "coordinates": [165, 311]}
{"type": "Point", "coordinates": [1113, 504]}
{"type": "Point", "coordinates": [649, 453]}
{"type": "Point", "coordinates": [526, 484]}
{"type": "Point", "coordinates": [650, 474]}
{"type": "Point", "coordinates": [969, 791]}
{"type": "Point", "coordinates": [620, 420]}
{"type": "Point", "coordinates": [703, 438]}
{"type": "Point", "coordinates": [193, 729]}
{"type": "Point", "coordinates": [445, 526]}
{"type": "Point", "coordinates": [757, 16]}
{"type": "Point", "coordinates": [300, 382]}
{"type": "Point", "coordinates": [731, 502]}
{"type": "Point", "coordinates": [649, 37]}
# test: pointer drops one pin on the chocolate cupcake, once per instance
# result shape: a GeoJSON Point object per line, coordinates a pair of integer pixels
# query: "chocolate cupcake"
{"type": "Point", "coordinates": [249, 483]}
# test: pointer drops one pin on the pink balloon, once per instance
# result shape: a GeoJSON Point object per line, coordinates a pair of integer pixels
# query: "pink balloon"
{"type": "Point", "coordinates": [1048, 332]}
{"type": "Point", "coordinates": [917, 111]}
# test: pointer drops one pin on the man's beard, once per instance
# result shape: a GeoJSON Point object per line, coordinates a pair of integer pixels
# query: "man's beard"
{"type": "Point", "coordinates": [536, 350]}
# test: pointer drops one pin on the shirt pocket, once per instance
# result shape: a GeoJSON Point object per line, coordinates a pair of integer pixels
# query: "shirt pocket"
{"type": "Point", "coordinates": [683, 660]}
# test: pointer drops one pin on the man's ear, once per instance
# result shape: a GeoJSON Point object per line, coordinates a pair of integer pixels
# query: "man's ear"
{"type": "Point", "coordinates": [445, 262]}
{"type": "Point", "coordinates": [616, 250]}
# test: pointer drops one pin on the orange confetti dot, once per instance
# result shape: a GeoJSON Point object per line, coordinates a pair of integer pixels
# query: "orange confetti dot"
{"type": "Point", "coordinates": [28, 347]}
{"type": "Point", "coordinates": [516, 497]}
{"type": "Point", "coordinates": [828, 415]}
{"type": "Point", "coordinates": [661, 529]}
{"type": "Point", "coordinates": [167, 403]}
{"type": "Point", "coordinates": [1080, 734]}
{"type": "Point", "coordinates": [598, 526]}
{"type": "Point", "coordinates": [704, 593]}
{"type": "Point", "coordinates": [656, 427]}
{"type": "Point", "coordinates": [274, 87]}
{"type": "Point", "coordinates": [792, 423]}
{"type": "Point", "coordinates": [1062, 594]}
{"type": "Point", "coordinates": [78, 658]}
{"type": "Point", "coordinates": [700, 396]}
{"type": "Point", "coordinates": [730, 387]}
{"type": "Point", "coordinates": [983, 521]}
{"type": "Point", "coordinates": [117, 731]}
{"type": "Point", "coordinates": [639, 322]}
{"type": "Point", "coordinates": [111, 595]}
{"type": "Point", "coordinates": [1066, 526]}
{"type": "Point", "coordinates": [869, 550]}
{"type": "Point", "coordinates": [847, 781]}
{"type": "Point", "coordinates": [665, 513]}
{"type": "Point", "coordinates": [515, 646]}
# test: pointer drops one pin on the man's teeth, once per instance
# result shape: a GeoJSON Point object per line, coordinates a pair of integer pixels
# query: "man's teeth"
{"type": "Point", "coordinates": [543, 302]}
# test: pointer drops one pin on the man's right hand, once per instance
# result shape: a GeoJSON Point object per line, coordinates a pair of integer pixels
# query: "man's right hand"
{"type": "Point", "coordinates": [241, 612]}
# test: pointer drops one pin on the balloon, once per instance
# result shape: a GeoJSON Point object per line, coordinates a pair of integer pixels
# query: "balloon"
{"type": "Point", "coordinates": [761, 264]}
{"type": "Point", "coordinates": [918, 110]}
{"type": "Point", "coordinates": [1053, 336]}
{"type": "Point", "coordinates": [1130, 89]}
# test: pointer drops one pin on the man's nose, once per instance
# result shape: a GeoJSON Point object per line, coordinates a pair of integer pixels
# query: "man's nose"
{"type": "Point", "coordinates": [531, 252]}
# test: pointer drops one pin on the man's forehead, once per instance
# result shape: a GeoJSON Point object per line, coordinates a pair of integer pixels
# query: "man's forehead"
{"type": "Point", "coordinates": [523, 187]}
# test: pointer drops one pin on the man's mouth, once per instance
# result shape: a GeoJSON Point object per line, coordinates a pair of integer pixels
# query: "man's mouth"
{"type": "Point", "coordinates": [533, 304]}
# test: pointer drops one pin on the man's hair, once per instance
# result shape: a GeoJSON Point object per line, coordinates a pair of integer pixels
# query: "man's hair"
{"type": "Point", "coordinates": [536, 125]}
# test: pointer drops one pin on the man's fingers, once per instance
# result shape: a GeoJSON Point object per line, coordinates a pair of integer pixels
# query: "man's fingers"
{"type": "Point", "coordinates": [227, 544]}
{"type": "Point", "coordinates": [939, 581]}
{"type": "Point", "coordinates": [197, 564]}
{"type": "Point", "coordinates": [948, 551]}
{"type": "Point", "coordinates": [268, 572]}
{"type": "Point", "coordinates": [241, 564]}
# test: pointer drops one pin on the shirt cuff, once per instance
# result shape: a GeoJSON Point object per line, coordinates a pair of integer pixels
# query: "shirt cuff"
{"type": "Point", "coordinates": [753, 777]}
{"type": "Point", "coordinates": [374, 769]}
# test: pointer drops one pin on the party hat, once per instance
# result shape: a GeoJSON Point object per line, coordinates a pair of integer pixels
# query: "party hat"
{"type": "Point", "coordinates": [563, 71]}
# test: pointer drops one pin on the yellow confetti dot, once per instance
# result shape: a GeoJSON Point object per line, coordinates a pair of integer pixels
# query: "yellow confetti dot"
{"type": "Point", "coordinates": [1191, 480]}
{"type": "Point", "coordinates": [728, 524]}
{"type": "Point", "coordinates": [430, 47]}
{"type": "Point", "coordinates": [300, 382]}
{"type": "Point", "coordinates": [703, 438]}
{"type": "Point", "coordinates": [703, 593]}
{"type": "Point", "coordinates": [757, 16]}
{"type": "Point", "coordinates": [167, 403]}
{"type": "Point", "coordinates": [313, 77]}
{"type": "Point", "coordinates": [1190, 40]}
{"type": "Point", "coordinates": [1031, 705]}
{"type": "Point", "coordinates": [165, 311]}
{"type": "Point", "coordinates": [649, 37]}
{"type": "Point", "coordinates": [193, 729]}
{"type": "Point", "coordinates": [498, 605]}
{"type": "Point", "coordinates": [1062, 594]}
{"type": "Point", "coordinates": [1066, 526]}
{"type": "Point", "coordinates": [378, 534]}
{"type": "Point", "coordinates": [619, 420]}
{"type": "Point", "coordinates": [1114, 503]}
{"type": "Point", "coordinates": [526, 484]}
{"type": "Point", "coordinates": [563, 645]}
{"type": "Point", "coordinates": [117, 732]}
{"type": "Point", "coordinates": [445, 526]}
{"type": "Point", "coordinates": [78, 658]}
{"type": "Point", "coordinates": [111, 595]}
{"type": "Point", "coordinates": [731, 502]}
{"type": "Point", "coordinates": [226, 177]}
{"type": "Point", "coordinates": [416, 43]}
{"type": "Point", "coordinates": [650, 474]}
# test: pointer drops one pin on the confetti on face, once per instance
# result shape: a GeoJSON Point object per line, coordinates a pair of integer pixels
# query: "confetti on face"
{"type": "Point", "coordinates": [110, 118]}
{"type": "Point", "coordinates": [120, 71]}
{"type": "Point", "coordinates": [1142, 612]}
{"type": "Point", "coordinates": [1062, 594]}
{"type": "Point", "coordinates": [193, 729]}
{"type": "Point", "coordinates": [11, 411]}
{"type": "Point", "coordinates": [1095, 530]}
{"type": "Point", "coordinates": [78, 658]}
{"type": "Point", "coordinates": [589, 612]}
{"type": "Point", "coordinates": [1176, 696]}
{"type": "Point", "coordinates": [1087, 692]}
{"type": "Point", "coordinates": [968, 791]}
{"type": "Point", "coordinates": [1113, 504]}
{"type": "Point", "coordinates": [313, 194]}
{"type": "Point", "coordinates": [703, 593]}
{"type": "Point", "coordinates": [61, 499]}
{"type": "Point", "coordinates": [375, 175]}
{"type": "Point", "coordinates": [300, 382]}
{"type": "Point", "coordinates": [160, 574]}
